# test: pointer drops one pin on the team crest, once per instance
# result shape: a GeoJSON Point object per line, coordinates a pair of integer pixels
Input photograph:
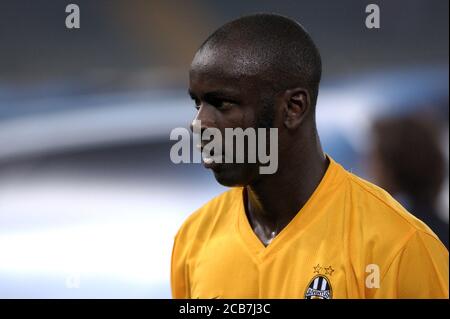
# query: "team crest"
{"type": "Point", "coordinates": [319, 288]}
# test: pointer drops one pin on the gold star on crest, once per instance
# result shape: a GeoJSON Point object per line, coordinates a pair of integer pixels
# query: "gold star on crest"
{"type": "Point", "coordinates": [329, 270]}
{"type": "Point", "coordinates": [317, 269]}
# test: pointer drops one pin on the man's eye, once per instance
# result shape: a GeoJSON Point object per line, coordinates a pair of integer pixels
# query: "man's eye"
{"type": "Point", "coordinates": [222, 104]}
{"type": "Point", "coordinates": [227, 104]}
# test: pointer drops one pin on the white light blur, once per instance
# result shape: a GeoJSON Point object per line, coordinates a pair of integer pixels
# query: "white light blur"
{"type": "Point", "coordinates": [119, 234]}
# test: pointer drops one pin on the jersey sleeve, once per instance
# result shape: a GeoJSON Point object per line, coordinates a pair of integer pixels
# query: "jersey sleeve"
{"type": "Point", "coordinates": [420, 270]}
{"type": "Point", "coordinates": [178, 271]}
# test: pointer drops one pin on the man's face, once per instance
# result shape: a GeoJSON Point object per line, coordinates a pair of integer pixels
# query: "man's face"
{"type": "Point", "coordinates": [226, 98]}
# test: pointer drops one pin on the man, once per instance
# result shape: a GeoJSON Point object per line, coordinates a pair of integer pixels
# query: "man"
{"type": "Point", "coordinates": [408, 162]}
{"type": "Point", "coordinates": [311, 229]}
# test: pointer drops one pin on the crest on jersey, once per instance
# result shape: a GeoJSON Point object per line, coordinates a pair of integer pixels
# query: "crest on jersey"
{"type": "Point", "coordinates": [319, 288]}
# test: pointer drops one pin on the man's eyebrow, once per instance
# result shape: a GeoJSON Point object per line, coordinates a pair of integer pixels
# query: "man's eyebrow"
{"type": "Point", "coordinates": [220, 95]}
{"type": "Point", "coordinates": [191, 94]}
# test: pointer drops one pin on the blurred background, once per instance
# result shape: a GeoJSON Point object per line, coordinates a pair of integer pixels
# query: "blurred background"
{"type": "Point", "coordinates": [89, 199]}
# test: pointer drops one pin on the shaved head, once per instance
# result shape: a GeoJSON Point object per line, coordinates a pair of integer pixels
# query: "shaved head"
{"type": "Point", "coordinates": [272, 48]}
{"type": "Point", "coordinates": [259, 71]}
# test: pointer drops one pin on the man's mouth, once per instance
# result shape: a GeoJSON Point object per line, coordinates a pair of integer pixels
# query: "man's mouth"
{"type": "Point", "coordinates": [213, 159]}
{"type": "Point", "coordinates": [210, 160]}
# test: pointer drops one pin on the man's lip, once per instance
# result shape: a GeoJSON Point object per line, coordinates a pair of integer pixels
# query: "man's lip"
{"type": "Point", "coordinates": [209, 162]}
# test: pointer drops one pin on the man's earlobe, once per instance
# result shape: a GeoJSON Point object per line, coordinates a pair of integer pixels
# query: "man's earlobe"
{"type": "Point", "coordinates": [297, 105]}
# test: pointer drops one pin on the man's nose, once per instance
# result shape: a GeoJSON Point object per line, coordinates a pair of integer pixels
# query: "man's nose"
{"type": "Point", "coordinates": [203, 120]}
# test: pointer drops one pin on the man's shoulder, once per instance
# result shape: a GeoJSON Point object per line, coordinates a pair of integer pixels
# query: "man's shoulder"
{"type": "Point", "coordinates": [381, 228]}
{"type": "Point", "coordinates": [207, 215]}
{"type": "Point", "coordinates": [378, 208]}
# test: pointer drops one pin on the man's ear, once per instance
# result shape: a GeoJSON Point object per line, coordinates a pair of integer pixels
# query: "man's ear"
{"type": "Point", "coordinates": [297, 104]}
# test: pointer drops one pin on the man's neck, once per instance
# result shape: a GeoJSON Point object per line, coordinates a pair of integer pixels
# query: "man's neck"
{"type": "Point", "coordinates": [272, 202]}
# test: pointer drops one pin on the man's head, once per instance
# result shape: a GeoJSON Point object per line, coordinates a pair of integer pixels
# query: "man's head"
{"type": "Point", "coordinates": [261, 70]}
{"type": "Point", "coordinates": [407, 158]}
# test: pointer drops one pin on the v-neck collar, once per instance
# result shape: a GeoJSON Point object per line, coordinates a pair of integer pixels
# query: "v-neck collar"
{"type": "Point", "coordinates": [295, 227]}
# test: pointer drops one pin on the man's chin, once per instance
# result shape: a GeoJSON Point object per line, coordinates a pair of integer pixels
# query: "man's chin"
{"type": "Point", "coordinates": [232, 176]}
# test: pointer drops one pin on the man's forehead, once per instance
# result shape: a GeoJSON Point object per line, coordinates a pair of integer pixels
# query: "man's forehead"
{"type": "Point", "coordinates": [201, 82]}
{"type": "Point", "coordinates": [233, 62]}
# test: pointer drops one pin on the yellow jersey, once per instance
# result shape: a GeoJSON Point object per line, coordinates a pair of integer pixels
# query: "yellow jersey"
{"type": "Point", "coordinates": [350, 240]}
